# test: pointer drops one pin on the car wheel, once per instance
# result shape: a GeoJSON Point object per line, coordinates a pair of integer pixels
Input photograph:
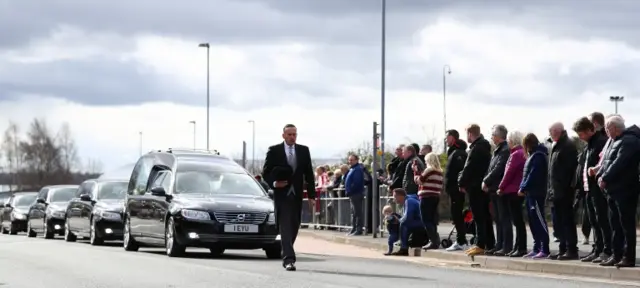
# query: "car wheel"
{"type": "Point", "coordinates": [94, 239]}
{"type": "Point", "coordinates": [30, 232]}
{"type": "Point", "coordinates": [216, 251]}
{"type": "Point", "coordinates": [130, 244]}
{"type": "Point", "coordinates": [68, 235]}
{"type": "Point", "coordinates": [12, 230]}
{"type": "Point", "coordinates": [4, 231]}
{"type": "Point", "coordinates": [48, 234]}
{"type": "Point", "coordinates": [173, 248]}
{"type": "Point", "coordinates": [273, 252]}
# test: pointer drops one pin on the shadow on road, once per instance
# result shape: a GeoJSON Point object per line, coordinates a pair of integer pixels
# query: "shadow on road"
{"type": "Point", "coordinates": [229, 256]}
{"type": "Point", "coordinates": [367, 275]}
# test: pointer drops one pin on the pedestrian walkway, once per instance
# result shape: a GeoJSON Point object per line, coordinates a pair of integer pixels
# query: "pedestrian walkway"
{"type": "Point", "coordinates": [570, 268]}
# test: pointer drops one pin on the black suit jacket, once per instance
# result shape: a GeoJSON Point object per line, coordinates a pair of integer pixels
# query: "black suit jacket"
{"type": "Point", "coordinates": [277, 157]}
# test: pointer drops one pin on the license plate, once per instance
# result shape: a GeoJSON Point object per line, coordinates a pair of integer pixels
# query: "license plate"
{"type": "Point", "coordinates": [241, 228]}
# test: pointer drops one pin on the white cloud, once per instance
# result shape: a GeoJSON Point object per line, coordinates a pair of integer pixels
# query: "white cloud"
{"type": "Point", "coordinates": [496, 58]}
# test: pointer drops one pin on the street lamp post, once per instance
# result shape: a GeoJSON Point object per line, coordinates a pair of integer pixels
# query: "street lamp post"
{"type": "Point", "coordinates": [194, 133]}
{"type": "Point", "coordinates": [206, 45]}
{"type": "Point", "coordinates": [446, 69]}
{"type": "Point", "coordinates": [615, 100]}
{"type": "Point", "coordinates": [253, 146]}
{"type": "Point", "coordinates": [383, 78]}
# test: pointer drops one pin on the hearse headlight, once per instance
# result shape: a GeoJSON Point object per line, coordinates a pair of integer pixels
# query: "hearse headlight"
{"type": "Point", "coordinates": [57, 214]}
{"type": "Point", "coordinates": [272, 218]}
{"type": "Point", "coordinates": [195, 214]}
{"type": "Point", "coordinates": [109, 215]}
{"type": "Point", "coordinates": [18, 215]}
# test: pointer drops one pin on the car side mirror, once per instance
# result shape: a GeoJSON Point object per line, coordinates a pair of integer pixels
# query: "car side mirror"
{"type": "Point", "coordinates": [41, 201]}
{"type": "Point", "coordinates": [85, 197]}
{"type": "Point", "coordinates": [158, 191]}
{"type": "Point", "coordinates": [270, 192]}
{"type": "Point", "coordinates": [7, 205]}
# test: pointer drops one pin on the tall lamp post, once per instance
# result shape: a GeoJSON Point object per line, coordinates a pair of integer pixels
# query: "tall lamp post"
{"type": "Point", "coordinates": [615, 100]}
{"type": "Point", "coordinates": [206, 45]}
{"type": "Point", "coordinates": [383, 61]}
{"type": "Point", "coordinates": [194, 133]}
{"type": "Point", "coordinates": [446, 69]}
{"type": "Point", "coordinates": [253, 146]}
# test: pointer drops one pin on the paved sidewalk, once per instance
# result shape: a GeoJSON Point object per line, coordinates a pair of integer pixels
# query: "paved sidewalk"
{"type": "Point", "coordinates": [569, 268]}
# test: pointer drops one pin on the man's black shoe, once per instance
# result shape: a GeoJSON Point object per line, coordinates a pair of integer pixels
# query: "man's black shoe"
{"type": "Point", "coordinates": [290, 267]}
{"type": "Point", "coordinates": [603, 257]}
{"type": "Point", "coordinates": [610, 262]}
{"type": "Point", "coordinates": [518, 254]}
{"type": "Point", "coordinates": [569, 256]}
{"type": "Point", "coordinates": [501, 253]}
{"type": "Point", "coordinates": [626, 263]}
{"type": "Point", "coordinates": [490, 251]}
{"type": "Point", "coordinates": [590, 257]}
{"type": "Point", "coordinates": [401, 252]}
{"type": "Point", "coordinates": [388, 253]}
{"type": "Point", "coordinates": [554, 256]}
{"type": "Point", "coordinates": [430, 246]}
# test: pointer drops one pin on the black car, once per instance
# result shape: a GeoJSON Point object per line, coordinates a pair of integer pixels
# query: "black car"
{"type": "Point", "coordinates": [46, 215]}
{"type": "Point", "coordinates": [14, 214]}
{"type": "Point", "coordinates": [96, 211]}
{"type": "Point", "coordinates": [178, 199]}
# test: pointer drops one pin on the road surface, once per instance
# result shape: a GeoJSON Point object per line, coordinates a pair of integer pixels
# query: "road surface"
{"type": "Point", "coordinates": [28, 263]}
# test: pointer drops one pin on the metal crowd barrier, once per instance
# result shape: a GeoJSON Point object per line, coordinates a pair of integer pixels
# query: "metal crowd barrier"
{"type": "Point", "coordinates": [334, 213]}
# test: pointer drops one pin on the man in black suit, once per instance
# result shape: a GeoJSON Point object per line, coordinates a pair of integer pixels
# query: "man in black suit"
{"type": "Point", "coordinates": [287, 169]}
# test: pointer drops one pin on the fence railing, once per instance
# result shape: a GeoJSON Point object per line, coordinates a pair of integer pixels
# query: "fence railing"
{"type": "Point", "coordinates": [334, 213]}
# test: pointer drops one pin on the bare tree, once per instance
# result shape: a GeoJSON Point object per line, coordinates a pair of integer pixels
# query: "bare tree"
{"type": "Point", "coordinates": [42, 157]}
{"type": "Point", "coordinates": [13, 154]}
{"type": "Point", "coordinates": [68, 149]}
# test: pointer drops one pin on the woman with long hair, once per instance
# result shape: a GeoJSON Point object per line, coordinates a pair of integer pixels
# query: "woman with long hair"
{"type": "Point", "coordinates": [534, 189]}
{"type": "Point", "coordinates": [430, 184]}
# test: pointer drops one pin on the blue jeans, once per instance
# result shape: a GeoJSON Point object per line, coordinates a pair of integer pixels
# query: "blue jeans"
{"type": "Point", "coordinates": [406, 230]}
{"type": "Point", "coordinates": [393, 238]}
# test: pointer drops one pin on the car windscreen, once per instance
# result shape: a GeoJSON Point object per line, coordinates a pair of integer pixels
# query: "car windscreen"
{"type": "Point", "coordinates": [112, 190]}
{"type": "Point", "coordinates": [63, 194]}
{"type": "Point", "coordinates": [24, 200]}
{"type": "Point", "coordinates": [215, 180]}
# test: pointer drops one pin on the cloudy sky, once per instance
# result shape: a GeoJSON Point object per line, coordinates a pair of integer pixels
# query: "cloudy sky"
{"type": "Point", "coordinates": [114, 68]}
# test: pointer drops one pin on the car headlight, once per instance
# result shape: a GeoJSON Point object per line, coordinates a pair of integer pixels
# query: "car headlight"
{"type": "Point", "coordinates": [195, 214]}
{"type": "Point", "coordinates": [57, 214]}
{"type": "Point", "coordinates": [18, 216]}
{"type": "Point", "coordinates": [109, 215]}
{"type": "Point", "coordinates": [272, 218]}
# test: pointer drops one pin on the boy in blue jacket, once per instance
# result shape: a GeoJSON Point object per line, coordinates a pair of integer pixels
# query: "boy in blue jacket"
{"type": "Point", "coordinates": [534, 188]}
{"type": "Point", "coordinates": [411, 220]}
{"type": "Point", "coordinates": [392, 222]}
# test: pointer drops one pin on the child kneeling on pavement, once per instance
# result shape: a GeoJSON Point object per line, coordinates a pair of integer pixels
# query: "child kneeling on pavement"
{"type": "Point", "coordinates": [392, 222]}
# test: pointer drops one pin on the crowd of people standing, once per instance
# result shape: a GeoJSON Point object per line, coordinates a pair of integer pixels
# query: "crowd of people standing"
{"type": "Point", "coordinates": [522, 172]}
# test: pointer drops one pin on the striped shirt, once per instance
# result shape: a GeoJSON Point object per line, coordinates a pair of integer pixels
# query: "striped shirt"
{"type": "Point", "coordinates": [430, 183]}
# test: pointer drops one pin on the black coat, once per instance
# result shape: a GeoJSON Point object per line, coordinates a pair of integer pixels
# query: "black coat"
{"type": "Point", "coordinates": [619, 168]}
{"type": "Point", "coordinates": [591, 158]}
{"type": "Point", "coordinates": [456, 157]}
{"type": "Point", "coordinates": [276, 163]}
{"type": "Point", "coordinates": [476, 165]}
{"type": "Point", "coordinates": [497, 166]}
{"type": "Point", "coordinates": [563, 162]}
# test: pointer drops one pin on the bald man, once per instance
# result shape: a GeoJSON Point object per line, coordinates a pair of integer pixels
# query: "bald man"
{"type": "Point", "coordinates": [563, 162]}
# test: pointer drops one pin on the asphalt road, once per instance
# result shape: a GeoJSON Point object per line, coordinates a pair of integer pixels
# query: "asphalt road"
{"type": "Point", "coordinates": [29, 263]}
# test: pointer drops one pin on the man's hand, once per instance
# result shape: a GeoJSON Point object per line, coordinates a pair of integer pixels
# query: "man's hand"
{"type": "Point", "coordinates": [591, 171]}
{"type": "Point", "coordinates": [520, 193]}
{"type": "Point", "coordinates": [417, 179]}
{"type": "Point", "coordinates": [498, 192]}
{"type": "Point", "coordinates": [312, 204]}
{"type": "Point", "coordinates": [280, 184]}
{"type": "Point", "coordinates": [463, 190]}
{"type": "Point", "coordinates": [484, 187]}
{"type": "Point", "coordinates": [601, 183]}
